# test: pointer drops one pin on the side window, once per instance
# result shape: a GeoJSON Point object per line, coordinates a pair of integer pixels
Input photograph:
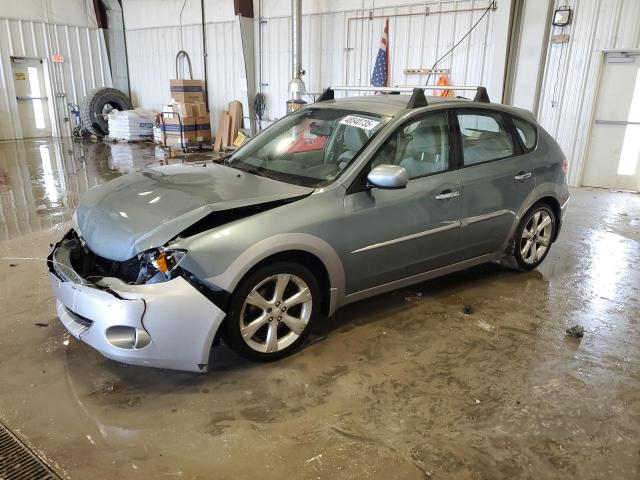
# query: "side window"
{"type": "Point", "coordinates": [421, 146]}
{"type": "Point", "coordinates": [484, 137]}
{"type": "Point", "coordinates": [526, 132]}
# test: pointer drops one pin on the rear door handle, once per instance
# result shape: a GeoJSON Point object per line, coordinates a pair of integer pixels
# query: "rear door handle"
{"type": "Point", "coordinates": [448, 194]}
{"type": "Point", "coordinates": [523, 175]}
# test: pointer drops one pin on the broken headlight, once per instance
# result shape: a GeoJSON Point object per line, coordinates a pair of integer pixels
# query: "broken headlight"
{"type": "Point", "coordinates": [158, 264]}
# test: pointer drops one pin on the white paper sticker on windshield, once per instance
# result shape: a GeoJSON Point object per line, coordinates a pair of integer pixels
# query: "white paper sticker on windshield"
{"type": "Point", "coordinates": [359, 122]}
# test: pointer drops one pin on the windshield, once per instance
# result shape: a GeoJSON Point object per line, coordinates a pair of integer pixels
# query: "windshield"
{"type": "Point", "coordinates": [310, 147]}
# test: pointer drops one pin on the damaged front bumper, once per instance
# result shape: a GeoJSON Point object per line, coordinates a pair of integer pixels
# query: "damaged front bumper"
{"type": "Point", "coordinates": [166, 325]}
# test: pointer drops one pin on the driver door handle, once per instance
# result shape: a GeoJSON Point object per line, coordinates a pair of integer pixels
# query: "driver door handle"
{"type": "Point", "coordinates": [448, 193]}
{"type": "Point", "coordinates": [523, 175]}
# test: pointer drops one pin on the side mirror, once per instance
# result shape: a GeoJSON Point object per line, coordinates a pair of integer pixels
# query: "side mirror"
{"type": "Point", "coordinates": [388, 176]}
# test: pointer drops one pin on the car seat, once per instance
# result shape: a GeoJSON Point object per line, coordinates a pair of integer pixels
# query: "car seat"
{"type": "Point", "coordinates": [423, 153]}
{"type": "Point", "coordinates": [353, 139]}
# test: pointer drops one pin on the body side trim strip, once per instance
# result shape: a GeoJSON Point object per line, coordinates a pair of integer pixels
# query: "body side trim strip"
{"type": "Point", "coordinates": [463, 223]}
{"type": "Point", "coordinates": [486, 216]}
{"type": "Point", "coordinates": [444, 228]}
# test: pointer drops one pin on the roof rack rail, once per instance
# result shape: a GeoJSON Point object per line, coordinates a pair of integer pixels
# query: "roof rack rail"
{"type": "Point", "coordinates": [414, 101]}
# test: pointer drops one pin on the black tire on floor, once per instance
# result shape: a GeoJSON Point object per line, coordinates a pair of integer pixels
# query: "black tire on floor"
{"type": "Point", "coordinates": [92, 106]}
{"type": "Point", "coordinates": [232, 329]}
{"type": "Point", "coordinates": [517, 239]}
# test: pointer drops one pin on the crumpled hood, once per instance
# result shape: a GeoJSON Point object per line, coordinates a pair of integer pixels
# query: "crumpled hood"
{"type": "Point", "coordinates": [144, 210]}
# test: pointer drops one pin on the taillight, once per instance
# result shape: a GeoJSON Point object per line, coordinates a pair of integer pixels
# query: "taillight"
{"type": "Point", "coordinates": [565, 165]}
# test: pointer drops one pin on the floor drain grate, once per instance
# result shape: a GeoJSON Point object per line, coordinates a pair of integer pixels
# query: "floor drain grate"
{"type": "Point", "coordinates": [18, 462]}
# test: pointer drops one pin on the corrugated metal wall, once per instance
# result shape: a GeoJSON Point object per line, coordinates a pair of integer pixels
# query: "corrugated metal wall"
{"type": "Point", "coordinates": [415, 41]}
{"type": "Point", "coordinates": [572, 70]}
{"type": "Point", "coordinates": [85, 67]}
{"type": "Point", "coordinates": [151, 67]}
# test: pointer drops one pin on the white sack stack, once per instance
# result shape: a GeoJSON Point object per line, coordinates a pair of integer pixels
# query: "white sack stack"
{"type": "Point", "coordinates": [131, 125]}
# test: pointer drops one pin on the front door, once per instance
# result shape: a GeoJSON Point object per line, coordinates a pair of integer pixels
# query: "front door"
{"type": "Point", "coordinates": [613, 156]}
{"type": "Point", "coordinates": [495, 180]}
{"type": "Point", "coordinates": [33, 106]}
{"type": "Point", "coordinates": [394, 234]}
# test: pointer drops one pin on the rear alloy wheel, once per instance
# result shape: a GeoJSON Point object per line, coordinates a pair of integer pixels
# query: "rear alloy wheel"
{"type": "Point", "coordinates": [534, 236]}
{"type": "Point", "coordinates": [272, 312]}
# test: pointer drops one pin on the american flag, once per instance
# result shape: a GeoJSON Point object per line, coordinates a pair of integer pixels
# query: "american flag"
{"type": "Point", "coordinates": [380, 76]}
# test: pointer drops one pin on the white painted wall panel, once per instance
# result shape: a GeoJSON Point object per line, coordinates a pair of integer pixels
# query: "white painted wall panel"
{"type": "Point", "coordinates": [335, 53]}
{"type": "Point", "coordinates": [63, 12]}
{"type": "Point", "coordinates": [151, 66]}
{"type": "Point", "coordinates": [572, 71]}
{"type": "Point", "coordinates": [414, 42]}
{"type": "Point", "coordinates": [85, 67]}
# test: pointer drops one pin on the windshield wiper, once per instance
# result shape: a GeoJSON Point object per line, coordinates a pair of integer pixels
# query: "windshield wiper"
{"type": "Point", "coordinates": [224, 159]}
{"type": "Point", "coordinates": [254, 170]}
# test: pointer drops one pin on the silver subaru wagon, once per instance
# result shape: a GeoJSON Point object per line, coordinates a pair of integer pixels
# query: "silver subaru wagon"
{"type": "Point", "coordinates": [336, 202]}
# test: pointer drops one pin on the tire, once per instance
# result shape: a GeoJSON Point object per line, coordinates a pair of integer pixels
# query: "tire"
{"type": "Point", "coordinates": [291, 328]}
{"type": "Point", "coordinates": [527, 255]}
{"type": "Point", "coordinates": [93, 105]}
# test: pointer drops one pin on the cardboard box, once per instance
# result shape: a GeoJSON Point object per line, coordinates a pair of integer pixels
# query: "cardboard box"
{"type": "Point", "coordinates": [203, 129]}
{"type": "Point", "coordinates": [191, 131]}
{"type": "Point", "coordinates": [199, 109]}
{"type": "Point", "coordinates": [188, 91]}
{"type": "Point", "coordinates": [178, 132]}
{"type": "Point", "coordinates": [185, 110]}
{"type": "Point", "coordinates": [168, 111]}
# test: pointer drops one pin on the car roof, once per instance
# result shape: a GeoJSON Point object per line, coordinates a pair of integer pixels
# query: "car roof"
{"type": "Point", "coordinates": [393, 105]}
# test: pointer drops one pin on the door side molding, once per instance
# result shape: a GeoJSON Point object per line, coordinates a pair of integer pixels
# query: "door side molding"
{"type": "Point", "coordinates": [431, 231]}
{"type": "Point", "coordinates": [487, 216]}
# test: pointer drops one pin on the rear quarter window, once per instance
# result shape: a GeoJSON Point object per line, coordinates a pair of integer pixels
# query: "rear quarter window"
{"type": "Point", "coordinates": [527, 133]}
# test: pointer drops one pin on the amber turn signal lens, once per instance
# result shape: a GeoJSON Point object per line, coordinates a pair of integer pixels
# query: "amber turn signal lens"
{"type": "Point", "coordinates": [161, 262]}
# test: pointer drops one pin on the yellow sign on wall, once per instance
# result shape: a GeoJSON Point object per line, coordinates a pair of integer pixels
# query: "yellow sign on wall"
{"type": "Point", "coordinates": [21, 76]}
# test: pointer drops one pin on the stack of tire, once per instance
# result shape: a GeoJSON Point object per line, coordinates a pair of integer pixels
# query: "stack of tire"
{"type": "Point", "coordinates": [96, 103]}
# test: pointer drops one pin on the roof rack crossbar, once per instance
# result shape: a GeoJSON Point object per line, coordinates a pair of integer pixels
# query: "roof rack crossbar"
{"type": "Point", "coordinates": [481, 92]}
{"type": "Point", "coordinates": [400, 88]}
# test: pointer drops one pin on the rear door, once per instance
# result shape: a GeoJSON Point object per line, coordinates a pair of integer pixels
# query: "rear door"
{"type": "Point", "coordinates": [33, 104]}
{"type": "Point", "coordinates": [393, 234]}
{"type": "Point", "coordinates": [495, 179]}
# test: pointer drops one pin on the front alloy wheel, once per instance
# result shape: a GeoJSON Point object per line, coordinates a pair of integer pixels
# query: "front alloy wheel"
{"type": "Point", "coordinates": [272, 312]}
{"type": "Point", "coordinates": [275, 313]}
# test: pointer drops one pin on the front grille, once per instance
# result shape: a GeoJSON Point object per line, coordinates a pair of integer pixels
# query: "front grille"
{"type": "Point", "coordinates": [92, 267]}
{"type": "Point", "coordinates": [126, 271]}
{"type": "Point", "coordinates": [18, 462]}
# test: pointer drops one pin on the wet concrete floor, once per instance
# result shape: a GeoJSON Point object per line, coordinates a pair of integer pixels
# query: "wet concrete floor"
{"type": "Point", "coordinates": [405, 386]}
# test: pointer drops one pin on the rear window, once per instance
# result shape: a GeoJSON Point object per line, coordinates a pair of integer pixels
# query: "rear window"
{"type": "Point", "coordinates": [526, 132]}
